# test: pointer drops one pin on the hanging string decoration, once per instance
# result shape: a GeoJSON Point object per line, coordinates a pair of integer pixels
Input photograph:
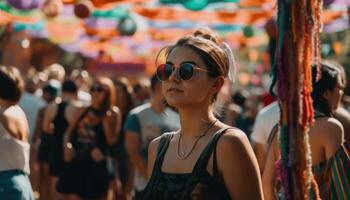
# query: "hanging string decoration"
{"type": "Point", "coordinates": [195, 4]}
{"type": "Point", "coordinates": [248, 31]}
{"type": "Point", "coordinates": [83, 9]}
{"type": "Point", "coordinates": [127, 26]}
{"type": "Point", "coordinates": [52, 8]}
{"type": "Point", "coordinates": [298, 46]}
{"type": "Point", "coordinates": [25, 4]}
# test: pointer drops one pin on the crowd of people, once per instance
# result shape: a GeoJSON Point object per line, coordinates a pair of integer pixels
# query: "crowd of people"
{"type": "Point", "coordinates": [181, 135]}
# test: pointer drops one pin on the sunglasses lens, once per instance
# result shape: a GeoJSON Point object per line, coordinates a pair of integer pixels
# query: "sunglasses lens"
{"type": "Point", "coordinates": [186, 71]}
{"type": "Point", "coordinates": [164, 71]}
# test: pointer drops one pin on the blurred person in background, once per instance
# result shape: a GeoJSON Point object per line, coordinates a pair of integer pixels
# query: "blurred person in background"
{"type": "Point", "coordinates": [268, 117]}
{"type": "Point", "coordinates": [225, 109]}
{"type": "Point", "coordinates": [330, 160]}
{"type": "Point", "coordinates": [341, 113]}
{"type": "Point", "coordinates": [124, 102]}
{"type": "Point", "coordinates": [58, 115]}
{"type": "Point", "coordinates": [245, 120]}
{"type": "Point", "coordinates": [42, 141]}
{"type": "Point", "coordinates": [141, 92]}
{"type": "Point", "coordinates": [31, 103]}
{"type": "Point", "coordinates": [343, 116]}
{"type": "Point", "coordinates": [82, 79]}
{"type": "Point", "coordinates": [265, 121]}
{"type": "Point", "coordinates": [143, 124]}
{"type": "Point", "coordinates": [88, 173]}
{"type": "Point", "coordinates": [14, 137]}
{"type": "Point", "coordinates": [55, 71]}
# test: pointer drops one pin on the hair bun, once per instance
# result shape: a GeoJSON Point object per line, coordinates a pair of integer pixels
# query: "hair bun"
{"type": "Point", "coordinates": [207, 34]}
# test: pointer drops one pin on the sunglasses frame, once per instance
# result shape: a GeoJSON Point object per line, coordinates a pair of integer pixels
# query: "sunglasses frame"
{"type": "Point", "coordinates": [177, 70]}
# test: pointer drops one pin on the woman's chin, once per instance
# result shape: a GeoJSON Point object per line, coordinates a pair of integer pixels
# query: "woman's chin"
{"type": "Point", "coordinates": [173, 103]}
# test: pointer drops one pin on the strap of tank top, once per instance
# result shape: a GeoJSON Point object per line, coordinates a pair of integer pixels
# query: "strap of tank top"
{"type": "Point", "coordinates": [77, 122]}
{"type": "Point", "coordinates": [272, 134]}
{"type": "Point", "coordinates": [161, 150]}
{"type": "Point", "coordinates": [202, 162]}
{"type": "Point", "coordinates": [215, 161]}
{"type": "Point", "coordinates": [60, 109]}
{"type": "Point", "coordinates": [84, 113]}
{"type": "Point", "coordinates": [62, 106]}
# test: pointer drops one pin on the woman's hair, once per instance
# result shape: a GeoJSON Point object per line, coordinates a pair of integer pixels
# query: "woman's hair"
{"type": "Point", "coordinates": [110, 97]}
{"type": "Point", "coordinates": [124, 86]}
{"type": "Point", "coordinates": [70, 86]}
{"type": "Point", "coordinates": [330, 77]}
{"type": "Point", "coordinates": [207, 45]}
{"type": "Point", "coordinates": [12, 85]}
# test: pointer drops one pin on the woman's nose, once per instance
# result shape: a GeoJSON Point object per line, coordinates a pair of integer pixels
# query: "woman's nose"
{"type": "Point", "coordinates": [174, 76]}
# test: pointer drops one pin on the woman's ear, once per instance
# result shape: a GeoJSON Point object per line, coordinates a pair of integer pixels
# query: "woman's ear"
{"type": "Point", "coordinates": [326, 94]}
{"type": "Point", "coordinates": [218, 83]}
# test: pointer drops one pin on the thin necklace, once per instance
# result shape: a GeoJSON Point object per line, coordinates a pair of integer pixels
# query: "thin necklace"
{"type": "Point", "coordinates": [183, 155]}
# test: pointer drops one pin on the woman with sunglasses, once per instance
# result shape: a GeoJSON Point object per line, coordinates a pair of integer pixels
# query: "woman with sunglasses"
{"type": "Point", "coordinates": [205, 159]}
{"type": "Point", "coordinates": [87, 144]}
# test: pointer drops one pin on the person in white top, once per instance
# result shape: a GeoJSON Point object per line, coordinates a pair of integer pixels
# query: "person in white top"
{"type": "Point", "coordinates": [31, 104]}
{"type": "Point", "coordinates": [14, 146]}
{"type": "Point", "coordinates": [266, 119]}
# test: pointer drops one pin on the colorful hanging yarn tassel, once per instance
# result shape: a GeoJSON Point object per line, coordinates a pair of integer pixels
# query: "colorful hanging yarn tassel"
{"type": "Point", "coordinates": [298, 46]}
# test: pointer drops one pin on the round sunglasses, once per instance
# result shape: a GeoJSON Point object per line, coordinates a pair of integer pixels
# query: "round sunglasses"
{"type": "Point", "coordinates": [185, 71]}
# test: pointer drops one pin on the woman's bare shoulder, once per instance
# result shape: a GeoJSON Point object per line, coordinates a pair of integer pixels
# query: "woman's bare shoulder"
{"type": "Point", "coordinates": [233, 136]}
{"type": "Point", "coordinates": [234, 142]}
{"type": "Point", "coordinates": [329, 129]}
{"type": "Point", "coordinates": [15, 113]}
{"type": "Point", "coordinates": [16, 121]}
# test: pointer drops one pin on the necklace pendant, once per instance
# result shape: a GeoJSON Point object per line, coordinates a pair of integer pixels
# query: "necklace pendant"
{"type": "Point", "coordinates": [182, 153]}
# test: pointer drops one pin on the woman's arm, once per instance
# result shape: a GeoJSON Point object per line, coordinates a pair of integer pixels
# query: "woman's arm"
{"type": "Point", "coordinates": [49, 114]}
{"type": "Point", "coordinates": [112, 125]}
{"type": "Point", "coordinates": [268, 177]}
{"type": "Point", "coordinates": [38, 127]}
{"type": "Point", "coordinates": [238, 165]}
{"type": "Point", "coordinates": [67, 146]}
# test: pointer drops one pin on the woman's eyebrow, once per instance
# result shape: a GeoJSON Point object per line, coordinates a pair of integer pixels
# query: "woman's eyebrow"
{"type": "Point", "coordinates": [192, 62]}
{"type": "Point", "coordinates": [169, 62]}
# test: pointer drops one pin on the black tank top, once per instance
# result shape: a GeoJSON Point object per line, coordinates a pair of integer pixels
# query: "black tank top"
{"type": "Point", "coordinates": [196, 185]}
{"type": "Point", "coordinates": [60, 122]}
{"type": "Point", "coordinates": [88, 135]}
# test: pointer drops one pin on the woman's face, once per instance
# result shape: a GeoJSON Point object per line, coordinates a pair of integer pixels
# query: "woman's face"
{"type": "Point", "coordinates": [334, 96]}
{"type": "Point", "coordinates": [98, 93]}
{"type": "Point", "coordinates": [196, 90]}
{"type": "Point", "coordinates": [121, 98]}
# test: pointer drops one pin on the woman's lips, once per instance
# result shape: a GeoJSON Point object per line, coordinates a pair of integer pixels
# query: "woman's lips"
{"type": "Point", "coordinates": [174, 90]}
